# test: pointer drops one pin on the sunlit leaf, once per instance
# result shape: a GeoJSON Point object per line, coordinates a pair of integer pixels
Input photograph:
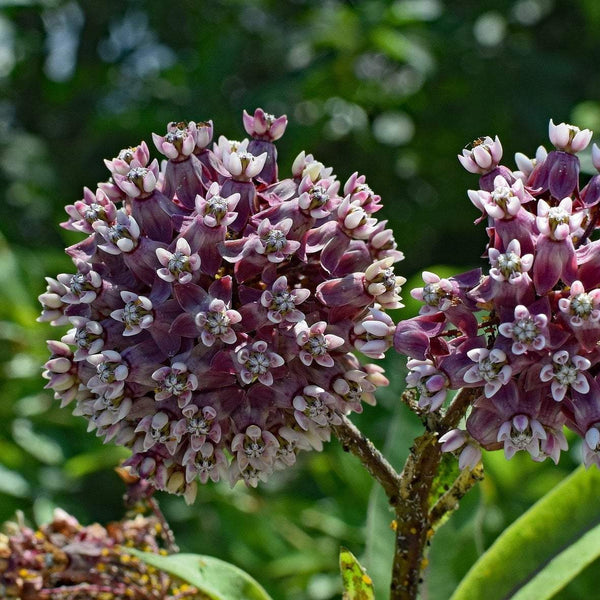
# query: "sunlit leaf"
{"type": "Point", "coordinates": [357, 584]}
{"type": "Point", "coordinates": [216, 578]}
{"type": "Point", "coordinates": [550, 544]}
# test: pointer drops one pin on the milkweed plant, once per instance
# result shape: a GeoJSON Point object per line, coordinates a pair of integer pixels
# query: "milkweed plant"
{"type": "Point", "coordinates": [220, 317]}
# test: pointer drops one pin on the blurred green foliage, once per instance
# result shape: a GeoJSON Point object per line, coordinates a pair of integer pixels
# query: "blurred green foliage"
{"type": "Point", "coordinates": [393, 89]}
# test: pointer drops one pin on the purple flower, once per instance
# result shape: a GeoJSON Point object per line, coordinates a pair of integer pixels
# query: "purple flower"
{"type": "Point", "coordinates": [470, 453]}
{"type": "Point", "coordinates": [215, 323]}
{"type": "Point", "coordinates": [374, 334]}
{"type": "Point", "coordinates": [281, 302]}
{"type": "Point", "coordinates": [94, 207]}
{"type": "Point", "coordinates": [483, 157]}
{"type": "Point", "coordinates": [121, 236]}
{"type": "Point", "coordinates": [83, 287]}
{"type": "Point", "coordinates": [568, 138]}
{"type": "Point", "coordinates": [216, 210]}
{"type": "Point", "coordinates": [87, 337]}
{"type": "Point", "coordinates": [175, 381]}
{"type": "Point", "coordinates": [136, 315]}
{"type": "Point", "coordinates": [271, 240]}
{"type": "Point", "coordinates": [492, 369]}
{"type": "Point", "coordinates": [216, 307]}
{"type": "Point", "coordinates": [179, 265]}
{"type": "Point", "coordinates": [256, 363]}
{"type": "Point", "coordinates": [264, 125]}
{"type": "Point", "coordinates": [431, 383]}
{"type": "Point", "coordinates": [564, 372]}
{"type": "Point", "coordinates": [315, 407]}
{"type": "Point", "coordinates": [315, 344]}
{"type": "Point", "coordinates": [528, 332]}
{"type": "Point", "coordinates": [111, 373]}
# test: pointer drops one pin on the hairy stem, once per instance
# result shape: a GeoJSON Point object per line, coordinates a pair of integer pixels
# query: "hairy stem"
{"type": "Point", "coordinates": [449, 501]}
{"type": "Point", "coordinates": [354, 441]}
{"type": "Point", "coordinates": [409, 492]}
{"type": "Point", "coordinates": [414, 525]}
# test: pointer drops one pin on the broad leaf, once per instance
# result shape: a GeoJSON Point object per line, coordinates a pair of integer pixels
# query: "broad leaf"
{"type": "Point", "coordinates": [357, 584]}
{"type": "Point", "coordinates": [544, 549]}
{"type": "Point", "coordinates": [215, 578]}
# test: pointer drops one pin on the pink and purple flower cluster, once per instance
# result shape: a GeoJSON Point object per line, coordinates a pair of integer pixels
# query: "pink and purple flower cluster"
{"type": "Point", "coordinates": [215, 308]}
{"type": "Point", "coordinates": [526, 332]}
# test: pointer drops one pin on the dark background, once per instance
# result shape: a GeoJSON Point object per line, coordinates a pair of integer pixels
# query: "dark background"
{"type": "Point", "coordinates": [392, 89]}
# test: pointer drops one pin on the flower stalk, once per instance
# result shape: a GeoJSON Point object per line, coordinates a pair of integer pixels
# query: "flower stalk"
{"type": "Point", "coordinates": [409, 492]}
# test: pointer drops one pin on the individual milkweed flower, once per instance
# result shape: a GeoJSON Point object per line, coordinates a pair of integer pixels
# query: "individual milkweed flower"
{"type": "Point", "coordinates": [175, 381]}
{"type": "Point", "coordinates": [216, 323]}
{"type": "Point", "coordinates": [431, 383]}
{"type": "Point", "coordinates": [271, 240]}
{"type": "Point", "coordinates": [179, 265]}
{"type": "Point", "coordinates": [318, 199]}
{"type": "Point", "coordinates": [111, 372]}
{"type": "Point", "coordinates": [470, 451]}
{"type": "Point", "coordinates": [528, 332]}
{"type": "Point", "coordinates": [243, 165]}
{"type": "Point", "coordinates": [492, 369]}
{"type": "Point", "coordinates": [374, 334]}
{"type": "Point", "coordinates": [122, 236]}
{"type": "Point", "coordinates": [263, 125]}
{"type": "Point", "coordinates": [564, 372]}
{"type": "Point", "coordinates": [256, 363]}
{"type": "Point", "coordinates": [94, 207]}
{"type": "Point", "coordinates": [87, 336]}
{"type": "Point", "coordinates": [568, 138]}
{"type": "Point", "coordinates": [216, 210]}
{"type": "Point", "coordinates": [136, 315]}
{"type": "Point", "coordinates": [581, 310]}
{"type": "Point", "coordinates": [483, 157]}
{"type": "Point", "coordinates": [521, 433]}
{"type": "Point", "coordinates": [281, 302]}
{"type": "Point", "coordinates": [198, 283]}
{"type": "Point", "coordinates": [200, 425]}
{"type": "Point", "coordinates": [204, 463]}
{"type": "Point", "coordinates": [83, 287]}
{"type": "Point", "coordinates": [315, 405]}
{"type": "Point", "coordinates": [128, 157]}
{"type": "Point", "coordinates": [255, 448]}
{"type": "Point", "coordinates": [315, 344]}
{"type": "Point", "coordinates": [383, 284]}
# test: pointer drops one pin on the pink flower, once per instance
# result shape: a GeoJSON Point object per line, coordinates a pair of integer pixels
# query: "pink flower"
{"type": "Point", "coordinates": [528, 332]}
{"type": "Point", "coordinates": [564, 372]}
{"type": "Point", "coordinates": [315, 344]}
{"type": "Point", "coordinates": [256, 363]}
{"type": "Point", "coordinates": [568, 138]}
{"type": "Point", "coordinates": [483, 157]}
{"type": "Point", "coordinates": [281, 302]}
{"type": "Point", "coordinates": [492, 369]}
{"type": "Point", "coordinates": [264, 125]}
{"type": "Point", "coordinates": [179, 265]}
{"type": "Point", "coordinates": [215, 306]}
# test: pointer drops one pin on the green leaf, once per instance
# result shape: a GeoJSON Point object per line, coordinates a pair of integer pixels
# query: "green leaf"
{"type": "Point", "coordinates": [357, 584]}
{"type": "Point", "coordinates": [544, 549]}
{"type": "Point", "coordinates": [215, 578]}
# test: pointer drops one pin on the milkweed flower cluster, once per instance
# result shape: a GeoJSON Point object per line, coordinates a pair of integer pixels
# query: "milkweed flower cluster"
{"type": "Point", "coordinates": [66, 560]}
{"type": "Point", "coordinates": [525, 331]}
{"type": "Point", "coordinates": [215, 309]}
